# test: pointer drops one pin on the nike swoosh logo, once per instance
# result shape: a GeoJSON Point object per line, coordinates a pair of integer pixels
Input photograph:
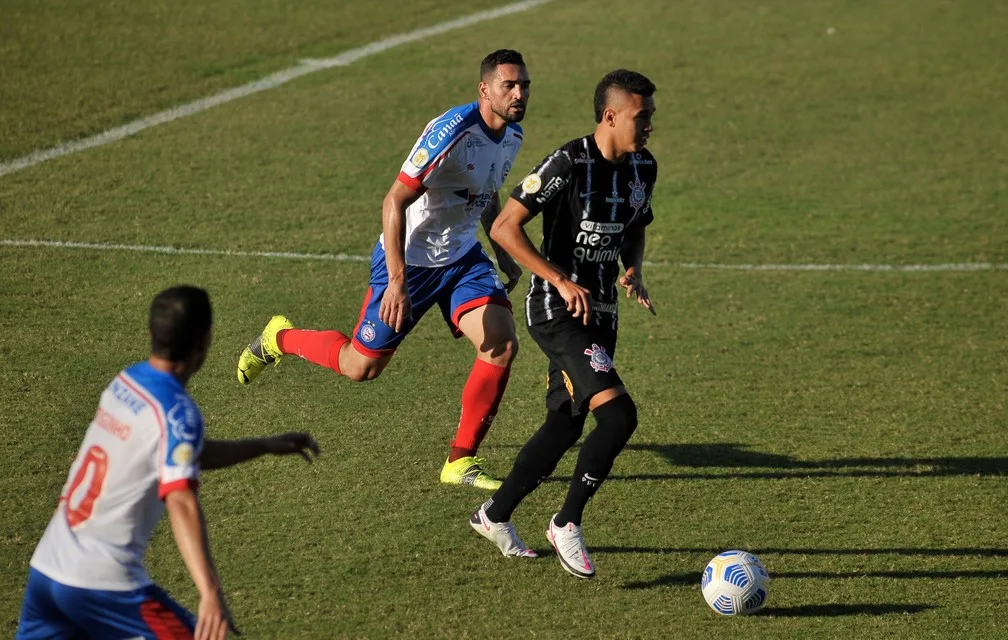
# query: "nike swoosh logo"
{"type": "Point", "coordinates": [586, 194]}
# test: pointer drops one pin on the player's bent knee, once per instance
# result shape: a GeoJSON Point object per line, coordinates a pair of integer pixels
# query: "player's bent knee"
{"type": "Point", "coordinates": [367, 372]}
{"type": "Point", "coordinates": [618, 418]}
{"type": "Point", "coordinates": [501, 341]}
{"type": "Point", "coordinates": [500, 352]}
{"type": "Point", "coordinates": [363, 369]}
{"type": "Point", "coordinates": [508, 349]}
{"type": "Point", "coordinates": [566, 429]}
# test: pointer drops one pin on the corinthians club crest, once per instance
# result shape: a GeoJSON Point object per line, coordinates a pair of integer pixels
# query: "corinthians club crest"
{"type": "Point", "coordinates": [638, 194]}
{"type": "Point", "coordinates": [598, 358]}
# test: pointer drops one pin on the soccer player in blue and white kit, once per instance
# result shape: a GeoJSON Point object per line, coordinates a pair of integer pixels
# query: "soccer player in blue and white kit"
{"type": "Point", "coordinates": [428, 254]}
{"type": "Point", "coordinates": [142, 452]}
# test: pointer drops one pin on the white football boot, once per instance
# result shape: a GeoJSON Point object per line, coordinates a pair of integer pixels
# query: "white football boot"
{"type": "Point", "coordinates": [570, 548]}
{"type": "Point", "coordinates": [502, 534]}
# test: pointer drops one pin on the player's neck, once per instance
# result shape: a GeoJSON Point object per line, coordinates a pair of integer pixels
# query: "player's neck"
{"type": "Point", "coordinates": [493, 122]}
{"type": "Point", "coordinates": [607, 147]}
{"type": "Point", "coordinates": [178, 370]}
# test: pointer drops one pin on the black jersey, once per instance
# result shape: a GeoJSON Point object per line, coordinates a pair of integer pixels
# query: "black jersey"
{"type": "Point", "coordinates": [589, 205]}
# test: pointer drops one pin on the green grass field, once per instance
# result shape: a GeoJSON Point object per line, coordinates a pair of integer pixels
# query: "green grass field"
{"type": "Point", "coordinates": [848, 426]}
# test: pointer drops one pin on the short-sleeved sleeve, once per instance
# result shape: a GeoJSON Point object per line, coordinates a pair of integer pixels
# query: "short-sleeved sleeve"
{"type": "Point", "coordinates": [546, 180]}
{"type": "Point", "coordinates": [433, 151]}
{"type": "Point", "coordinates": [181, 444]}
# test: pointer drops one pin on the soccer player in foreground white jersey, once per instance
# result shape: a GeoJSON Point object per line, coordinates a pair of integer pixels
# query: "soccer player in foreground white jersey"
{"type": "Point", "coordinates": [428, 254]}
{"type": "Point", "coordinates": [142, 452]}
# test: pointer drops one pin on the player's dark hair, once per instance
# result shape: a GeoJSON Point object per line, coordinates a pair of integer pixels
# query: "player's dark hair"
{"type": "Point", "coordinates": [180, 318]}
{"type": "Point", "coordinates": [629, 81]}
{"type": "Point", "coordinates": [499, 57]}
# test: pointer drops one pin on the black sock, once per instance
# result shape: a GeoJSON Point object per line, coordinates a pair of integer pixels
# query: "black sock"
{"type": "Point", "coordinates": [616, 421]}
{"type": "Point", "coordinates": [535, 462]}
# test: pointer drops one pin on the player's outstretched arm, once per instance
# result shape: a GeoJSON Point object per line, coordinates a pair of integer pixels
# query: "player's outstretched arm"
{"type": "Point", "coordinates": [632, 256]}
{"type": "Point", "coordinates": [218, 454]}
{"type": "Point", "coordinates": [505, 262]}
{"type": "Point", "coordinates": [509, 231]}
{"type": "Point", "coordinates": [213, 619]}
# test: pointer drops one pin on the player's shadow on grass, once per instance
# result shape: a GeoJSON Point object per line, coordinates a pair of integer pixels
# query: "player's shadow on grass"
{"type": "Point", "coordinates": [735, 460]}
{"type": "Point", "coordinates": [832, 610]}
{"type": "Point", "coordinates": [693, 578]}
{"type": "Point", "coordinates": [982, 552]}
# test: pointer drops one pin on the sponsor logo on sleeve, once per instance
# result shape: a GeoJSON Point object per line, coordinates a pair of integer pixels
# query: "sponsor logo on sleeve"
{"type": "Point", "coordinates": [183, 419]}
{"type": "Point", "coordinates": [443, 130]}
{"type": "Point", "coordinates": [183, 454]}
{"type": "Point", "coordinates": [555, 184]}
{"type": "Point", "coordinates": [532, 183]}
{"type": "Point", "coordinates": [420, 158]}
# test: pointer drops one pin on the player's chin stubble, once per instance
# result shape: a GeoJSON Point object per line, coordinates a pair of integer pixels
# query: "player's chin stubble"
{"type": "Point", "coordinates": [510, 116]}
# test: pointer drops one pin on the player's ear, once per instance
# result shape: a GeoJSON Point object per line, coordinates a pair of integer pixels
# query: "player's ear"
{"type": "Point", "coordinates": [609, 116]}
{"type": "Point", "coordinates": [484, 90]}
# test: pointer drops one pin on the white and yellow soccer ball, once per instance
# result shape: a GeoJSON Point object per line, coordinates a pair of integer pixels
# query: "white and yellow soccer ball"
{"type": "Point", "coordinates": [735, 583]}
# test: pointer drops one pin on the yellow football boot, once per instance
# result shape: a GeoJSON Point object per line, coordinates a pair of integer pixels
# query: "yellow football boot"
{"type": "Point", "coordinates": [468, 471]}
{"type": "Point", "coordinates": [264, 350]}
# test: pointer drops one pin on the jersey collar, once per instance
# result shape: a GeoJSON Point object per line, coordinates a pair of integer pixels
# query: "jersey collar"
{"type": "Point", "coordinates": [598, 153]}
{"type": "Point", "coordinates": [496, 139]}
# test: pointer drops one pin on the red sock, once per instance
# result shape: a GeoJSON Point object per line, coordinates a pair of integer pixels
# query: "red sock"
{"type": "Point", "coordinates": [320, 347]}
{"type": "Point", "coordinates": [481, 397]}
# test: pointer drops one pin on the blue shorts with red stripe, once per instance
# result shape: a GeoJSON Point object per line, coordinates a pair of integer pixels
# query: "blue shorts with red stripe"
{"type": "Point", "coordinates": [54, 611]}
{"type": "Point", "coordinates": [466, 284]}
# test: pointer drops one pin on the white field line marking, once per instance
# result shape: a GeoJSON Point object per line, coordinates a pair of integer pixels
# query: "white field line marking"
{"type": "Point", "coordinates": [269, 82]}
{"type": "Point", "coordinates": [946, 266]}
{"type": "Point", "coordinates": [343, 257]}
{"type": "Point", "coordinates": [144, 248]}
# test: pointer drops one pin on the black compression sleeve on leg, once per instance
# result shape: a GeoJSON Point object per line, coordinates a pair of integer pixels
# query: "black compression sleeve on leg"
{"type": "Point", "coordinates": [616, 421]}
{"type": "Point", "coordinates": [536, 461]}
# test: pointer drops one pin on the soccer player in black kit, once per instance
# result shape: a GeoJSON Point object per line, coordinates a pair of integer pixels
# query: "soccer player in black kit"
{"type": "Point", "coordinates": [594, 194]}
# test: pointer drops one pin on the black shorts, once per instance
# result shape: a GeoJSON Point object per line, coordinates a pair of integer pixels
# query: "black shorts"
{"type": "Point", "coordinates": [580, 360]}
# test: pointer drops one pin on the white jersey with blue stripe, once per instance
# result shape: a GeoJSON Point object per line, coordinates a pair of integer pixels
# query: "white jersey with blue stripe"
{"type": "Point", "coordinates": [457, 165]}
{"type": "Point", "coordinates": [143, 443]}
